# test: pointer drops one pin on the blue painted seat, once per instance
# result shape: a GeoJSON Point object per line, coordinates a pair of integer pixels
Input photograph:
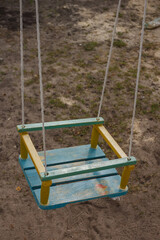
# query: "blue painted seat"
{"type": "Point", "coordinates": [83, 187]}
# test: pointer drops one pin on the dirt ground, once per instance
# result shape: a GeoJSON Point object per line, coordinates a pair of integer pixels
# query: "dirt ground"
{"type": "Point", "coordinates": [75, 40]}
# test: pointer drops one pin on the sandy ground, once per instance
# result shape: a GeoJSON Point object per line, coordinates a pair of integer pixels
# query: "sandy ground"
{"type": "Point", "coordinates": [75, 39]}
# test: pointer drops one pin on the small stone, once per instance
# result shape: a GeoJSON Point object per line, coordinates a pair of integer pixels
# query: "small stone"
{"type": "Point", "coordinates": [157, 54]}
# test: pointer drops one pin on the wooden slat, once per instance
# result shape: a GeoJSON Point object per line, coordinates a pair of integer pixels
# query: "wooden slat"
{"type": "Point", "coordinates": [87, 168]}
{"type": "Point", "coordinates": [111, 142]}
{"type": "Point", "coordinates": [81, 191]}
{"type": "Point", "coordinates": [35, 181]}
{"type": "Point", "coordinates": [60, 124]}
{"type": "Point", "coordinates": [33, 153]}
{"type": "Point", "coordinates": [66, 155]}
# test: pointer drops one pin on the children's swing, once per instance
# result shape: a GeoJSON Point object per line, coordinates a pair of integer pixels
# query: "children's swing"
{"type": "Point", "coordinates": [69, 175]}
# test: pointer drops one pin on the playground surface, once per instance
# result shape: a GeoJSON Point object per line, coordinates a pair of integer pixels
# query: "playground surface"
{"type": "Point", "coordinates": [75, 41]}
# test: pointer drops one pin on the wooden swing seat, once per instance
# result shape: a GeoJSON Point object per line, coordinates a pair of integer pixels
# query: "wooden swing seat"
{"type": "Point", "coordinates": [75, 174]}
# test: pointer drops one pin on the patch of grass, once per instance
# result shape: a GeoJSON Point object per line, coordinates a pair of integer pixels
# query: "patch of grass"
{"type": "Point", "coordinates": [149, 45]}
{"type": "Point", "coordinates": [119, 43]}
{"type": "Point", "coordinates": [74, 69]}
{"type": "Point", "coordinates": [120, 34]}
{"type": "Point", "coordinates": [133, 16]}
{"type": "Point", "coordinates": [92, 81]}
{"type": "Point", "coordinates": [121, 102]}
{"type": "Point", "coordinates": [122, 63]}
{"type": "Point", "coordinates": [57, 53]}
{"type": "Point", "coordinates": [67, 131]}
{"type": "Point", "coordinates": [146, 90]}
{"type": "Point", "coordinates": [114, 68]}
{"type": "Point", "coordinates": [132, 72]}
{"type": "Point", "coordinates": [120, 15]}
{"type": "Point", "coordinates": [90, 46]}
{"type": "Point", "coordinates": [106, 8]}
{"type": "Point", "coordinates": [94, 106]}
{"type": "Point", "coordinates": [156, 71]}
{"type": "Point", "coordinates": [48, 86]}
{"type": "Point", "coordinates": [143, 68]}
{"type": "Point", "coordinates": [79, 88]}
{"type": "Point", "coordinates": [31, 81]}
{"type": "Point", "coordinates": [155, 107]}
{"type": "Point", "coordinates": [32, 100]}
{"type": "Point", "coordinates": [63, 74]}
{"type": "Point", "coordinates": [57, 103]}
{"type": "Point", "coordinates": [141, 86]}
{"type": "Point", "coordinates": [119, 86]}
{"type": "Point", "coordinates": [147, 75]}
{"type": "Point", "coordinates": [81, 63]}
{"type": "Point", "coordinates": [2, 73]}
{"type": "Point", "coordinates": [76, 110]}
{"type": "Point", "coordinates": [34, 78]}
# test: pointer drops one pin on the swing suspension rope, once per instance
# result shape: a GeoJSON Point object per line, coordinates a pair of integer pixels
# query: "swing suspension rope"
{"type": "Point", "coordinates": [105, 79]}
{"type": "Point", "coordinates": [137, 80]}
{"type": "Point", "coordinates": [138, 70]}
{"type": "Point", "coordinates": [22, 63]}
{"type": "Point", "coordinates": [109, 58]}
{"type": "Point", "coordinates": [41, 85]}
{"type": "Point", "coordinates": [40, 73]}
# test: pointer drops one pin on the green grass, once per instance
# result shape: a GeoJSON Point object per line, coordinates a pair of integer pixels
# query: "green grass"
{"type": "Point", "coordinates": [53, 55]}
{"type": "Point", "coordinates": [114, 68]}
{"type": "Point", "coordinates": [33, 100]}
{"type": "Point", "coordinates": [79, 88]}
{"type": "Point", "coordinates": [120, 15]}
{"type": "Point", "coordinates": [155, 107]}
{"type": "Point", "coordinates": [30, 82]}
{"type": "Point", "coordinates": [81, 63]}
{"type": "Point", "coordinates": [120, 34]}
{"type": "Point", "coordinates": [3, 73]}
{"type": "Point", "coordinates": [132, 72]}
{"type": "Point", "coordinates": [94, 81]}
{"type": "Point", "coordinates": [48, 86]}
{"type": "Point", "coordinates": [119, 43]}
{"type": "Point", "coordinates": [90, 46]}
{"type": "Point", "coordinates": [57, 103]}
{"type": "Point", "coordinates": [63, 74]}
{"type": "Point", "coordinates": [119, 86]}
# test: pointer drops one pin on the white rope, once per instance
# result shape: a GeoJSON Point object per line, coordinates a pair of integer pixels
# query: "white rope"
{"type": "Point", "coordinates": [137, 80]}
{"type": "Point", "coordinates": [22, 64]}
{"type": "Point", "coordinates": [40, 80]}
{"type": "Point", "coordinates": [109, 58]}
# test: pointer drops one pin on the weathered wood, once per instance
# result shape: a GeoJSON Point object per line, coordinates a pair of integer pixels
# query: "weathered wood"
{"type": "Point", "coordinates": [118, 151]}
{"type": "Point", "coordinates": [94, 138]}
{"type": "Point", "coordinates": [66, 155]}
{"type": "Point", "coordinates": [125, 176]}
{"type": "Point", "coordinates": [23, 150]}
{"type": "Point", "coordinates": [110, 141]}
{"type": "Point", "coordinates": [81, 191]}
{"type": "Point", "coordinates": [45, 189]}
{"type": "Point", "coordinates": [33, 153]}
{"type": "Point", "coordinates": [104, 183]}
{"type": "Point", "coordinates": [35, 181]}
{"type": "Point", "coordinates": [87, 168]}
{"type": "Point", "coordinates": [60, 124]}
